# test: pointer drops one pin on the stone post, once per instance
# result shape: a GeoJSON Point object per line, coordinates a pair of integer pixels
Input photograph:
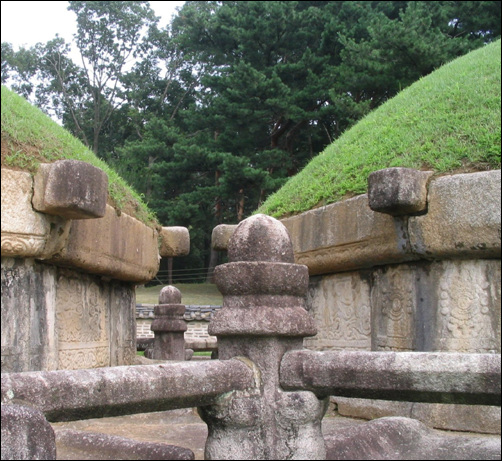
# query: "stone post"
{"type": "Point", "coordinates": [168, 326]}
{"type": "Point", "coordinates": [262, 318]}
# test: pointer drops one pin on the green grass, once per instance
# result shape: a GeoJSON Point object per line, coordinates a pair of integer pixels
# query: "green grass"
{"type": "Point", "coordinates": [195, 294]}
{"type": "Point", "coordinates": [448, 121]}
{"type": "Point", "coordinates": [30, 137]}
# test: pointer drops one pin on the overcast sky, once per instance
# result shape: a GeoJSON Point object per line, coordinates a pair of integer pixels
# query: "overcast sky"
{"type": "Point", "coordinates": [27, 23]}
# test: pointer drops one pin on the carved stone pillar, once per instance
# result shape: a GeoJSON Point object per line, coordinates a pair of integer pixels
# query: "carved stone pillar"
{"type": "Point", "coordinates": [168, 326]}
{"type": "Point", "coordinates": [263, 317]}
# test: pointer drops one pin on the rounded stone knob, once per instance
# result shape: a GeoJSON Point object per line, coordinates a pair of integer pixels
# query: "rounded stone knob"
{"type": "Point", "coordinates": [261, 238]}
{"type": "Point", "coordinates": [170, 295]}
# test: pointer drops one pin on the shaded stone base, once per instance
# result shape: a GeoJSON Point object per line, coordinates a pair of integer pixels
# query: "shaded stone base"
{"type": "Point", "coordinates": [56, 318]}
{"type": "Point", "coordinates": [468, 418]}
{"type": "Point", "coordinates": [405, 438]}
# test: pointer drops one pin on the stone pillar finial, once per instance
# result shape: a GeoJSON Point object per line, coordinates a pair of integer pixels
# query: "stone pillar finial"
{"type": "Point", "coordinates": [168, 326]}
{"type": "Point", "coordinates": [263, 316]}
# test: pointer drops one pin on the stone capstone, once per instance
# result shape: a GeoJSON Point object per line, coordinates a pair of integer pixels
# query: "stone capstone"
{"type": "Point", "coordinates": [174, 241]}
{"type": "Point", "coordinates": [398, 191]}
{"type": "Point", "coordinates": [26, 434]}
{"type": "Point", "coordinates": [260, 238]}
{"type": "Point", "coordinates": [221, 236]}
{"type": "Point", "coordinates": [71, 189]}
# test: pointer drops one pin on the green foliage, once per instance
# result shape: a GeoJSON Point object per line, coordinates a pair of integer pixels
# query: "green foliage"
{"type": "Point", "coordinates": [232, 98]}
{"type": "Point", "coordinates": [446, 121]}
{"type": "Point", "coordinates": [29, 137]}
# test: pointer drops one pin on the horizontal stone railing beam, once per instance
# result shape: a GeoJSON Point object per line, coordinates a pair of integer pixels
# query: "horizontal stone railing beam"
{"type": "Point", "coordinates": [401, 376]}
{"type": "Point", "coordinates": [66, 395]}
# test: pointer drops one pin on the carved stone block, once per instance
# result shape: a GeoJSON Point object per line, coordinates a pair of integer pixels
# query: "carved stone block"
{"type": "Point", "coordinates": [463, 218]}
{"type": "Point", "coordinates": [174, 241]}
{"type": "Point", "coordinates": [398, 191]}
{"type": "Point", "coordinates": [341, 307]}
{"type": "Point", "coordinates": [25, 232]}
{"type": "Point", "coordinates": [72, 189]}
{"type": "Point", "coordinates": [221, 236]}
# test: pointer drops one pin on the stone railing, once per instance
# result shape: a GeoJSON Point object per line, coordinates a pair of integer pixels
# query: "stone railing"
{"type": "Point", "coordinates": [265, 397]}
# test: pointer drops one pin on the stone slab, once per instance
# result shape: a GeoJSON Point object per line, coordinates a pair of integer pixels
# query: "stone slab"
{"type": "Point", "coordinates": [341, 307]}
{"type": "Point", "coordinates": [26, 232]}
{"type": "Point", "coordinates": [174, 241]}
{"type": "Point", "coordinates": [463, 219]}
{"type": "Point", "coordinates": [118, 247]}
{"type": "Point", "coordinates": [57, 318]}
{"type": "Point", "coordinates": [347, 235]}
{"type": "Point", "coordinates": [71, 189]}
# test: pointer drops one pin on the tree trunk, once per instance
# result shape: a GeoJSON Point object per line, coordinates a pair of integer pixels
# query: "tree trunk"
{"type": "Point", "coordinates": [213, 262]}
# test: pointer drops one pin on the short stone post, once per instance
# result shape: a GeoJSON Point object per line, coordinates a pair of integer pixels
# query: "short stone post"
{"type": "Point", "coordinates": [263, 316]}
{"type": "Point", "coordinates": [168, 326]}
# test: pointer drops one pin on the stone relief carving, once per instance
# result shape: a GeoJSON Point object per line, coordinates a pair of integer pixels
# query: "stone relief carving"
{"type": "Point", "coordinates": [82, 320]}
{"type": "Point", "coordinates": [464, 317]}
{"type": "Point", "coordinates": [21, 244]}
{"type": "Point", "coordinates": [394, 304]}
{"type": "Point", "coordinates": [341, 307]}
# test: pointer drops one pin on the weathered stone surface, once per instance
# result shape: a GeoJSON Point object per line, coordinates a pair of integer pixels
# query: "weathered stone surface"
{"type": "Point", "coordinates": [169, 295]}
{"type": "Point", "coordinates": [71, 189]}
{"type": "Point", "coordinates": [462, 220]}
{"type": "Point", "coordinates": [174, 241]}
{"type": "Point", "coordinates": [25, 232]}
{"type": "Point", "coordinates": [26, 434]}
{"type": "Point", "coordinates": [346, 236]}
{"type": "Point", "coordinates": [221, 236]}
{"type": "Point", "coordinates": [263, 299]}
{"type": "Point", "coordinates": [66, 395]}
{"type": "Point", "coordinates": [404, 438]}
{"type": "Point", "coordinates": [437, 306]}
{"type": "Point", "coordinates": [409, 376]}
{"type": "Point", "coordinates": [466, 418]}
{"type": "Point", "coordinates": [341, 307]}
{"type": "Point", "coordinates": [169, 327]}
{"type": "Point", "coordinates": [398, 191]}
{"type": "Point", "coordinates": [55, 318]}
{"type": "Point", "coordinates": [260, 238]}
{"type": "Point", "coordinates": [105, 446]}
{"type": "Point", "coordinates": [119, 247]}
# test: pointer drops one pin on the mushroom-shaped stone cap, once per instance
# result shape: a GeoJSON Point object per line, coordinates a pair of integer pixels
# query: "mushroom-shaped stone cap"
{"type": "Point", "coordinates": [170, 295]}
{"type": "Point", "coordinates": [261, 238]}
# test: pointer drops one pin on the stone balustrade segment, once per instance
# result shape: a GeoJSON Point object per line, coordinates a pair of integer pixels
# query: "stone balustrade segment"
{"type": "Point", "coordinates": [400, 376]}
{"type": "Point", "coordinates": [66, 395]}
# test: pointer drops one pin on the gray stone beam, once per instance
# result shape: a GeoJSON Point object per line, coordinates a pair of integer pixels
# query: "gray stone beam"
{"type": "Point", "coordinates": [402, 376]}
{"type": "Point", "coordinates": [66, 395]}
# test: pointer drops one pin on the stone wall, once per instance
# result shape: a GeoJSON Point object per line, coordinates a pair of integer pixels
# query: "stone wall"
{"type": "Point", "coordinates": [391, 280]}
{"type": "Point", "coordinates": [70, 264]}
{"type": "Point", "coordinates": [387, 279]}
